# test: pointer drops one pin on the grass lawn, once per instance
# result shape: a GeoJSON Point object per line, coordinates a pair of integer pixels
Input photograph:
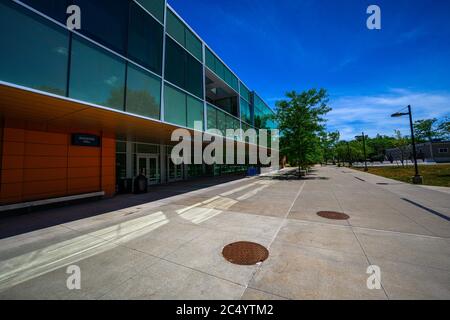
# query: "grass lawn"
{"type": "Point", "coordinates": [433, 175]}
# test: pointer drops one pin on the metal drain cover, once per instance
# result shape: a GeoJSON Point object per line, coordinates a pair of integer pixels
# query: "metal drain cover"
{"type": "Point", "coordinates": [333, 215]}
{"type": "Point", "coordinates": [245, 253]}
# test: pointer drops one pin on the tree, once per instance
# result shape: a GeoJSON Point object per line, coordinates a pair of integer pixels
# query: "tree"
{"type": "Point", "coordinates": [301, 123]}
{"type": "Point", "coordinates": [329, 142]}
{"type": "Point", "coordinates": [427, 130]}
{"type": "Point", "coordinates": [402, 143]}
{"type": "Point", "coordinates": [444, 127]}
{"type": "Point", "coordinates": [377, 147]}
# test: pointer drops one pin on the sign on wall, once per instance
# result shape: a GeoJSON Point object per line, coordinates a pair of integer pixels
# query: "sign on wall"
{"type": "Point", "coordinates": [86, 140]}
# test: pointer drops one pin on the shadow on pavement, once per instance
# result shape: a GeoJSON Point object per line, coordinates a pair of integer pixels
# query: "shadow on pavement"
{"type": "Point", "coordinates": [15, 223]}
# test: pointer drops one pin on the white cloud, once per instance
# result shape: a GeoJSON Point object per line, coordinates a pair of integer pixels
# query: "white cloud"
{"type": "Point", "coordinates": [353, 114]}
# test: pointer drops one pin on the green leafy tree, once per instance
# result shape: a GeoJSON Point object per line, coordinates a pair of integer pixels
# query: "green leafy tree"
{"type": "Point", "coordinates": [329, 142]}
{"type": "Point", "coordinates": [402, 143]}
{"type": "Point", "coordinates": [378, 146]}
{"type": "Point", "coordinates": [428, 130]}
{"type": "Point", "coordinates": [444, 127]}
{"type": "Point", "coordinates": [301, 124]}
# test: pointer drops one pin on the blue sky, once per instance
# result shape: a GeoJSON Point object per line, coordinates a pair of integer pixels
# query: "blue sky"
{"type": "Point", "coordinates": [281, 45]}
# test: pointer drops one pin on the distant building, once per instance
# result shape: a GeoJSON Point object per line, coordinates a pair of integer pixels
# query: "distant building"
{"type": "Point", "coordinates": [438, 152]}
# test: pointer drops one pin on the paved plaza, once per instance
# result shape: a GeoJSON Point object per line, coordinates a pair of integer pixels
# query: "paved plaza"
{"type": "Point", "coordinates": [167, 244]}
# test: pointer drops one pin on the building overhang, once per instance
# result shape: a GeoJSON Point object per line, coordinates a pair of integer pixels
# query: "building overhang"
{"type": "Point", "coordinates": [23, 104]}
{"type": "Point", "coordinates": [52, 111]}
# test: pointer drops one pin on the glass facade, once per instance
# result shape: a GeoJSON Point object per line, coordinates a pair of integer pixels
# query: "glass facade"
{"type": "Point", "coordinates": [194, 112]}
{"type": "Point", "coordinates": [155, 7]}
{"type": "Point", "coordinates": [181, 33]}
{"type": "Point", "coordinates": [22, 33]}
{"type": "Point", "coordinates": [145, 39]}
{"type": "Point", "coordinates": [118, 62]}
{"type": "Point", "coordinates": [245, 92]}
{"type": "Point", "coordinates": [246, 113]}
{"type": "Point", "coordinates": [215, 65]}
{"type": "Point", "coordinates": [262, 114]}
{"type": "Point", "coordinates": [212, 117]}
{"type": "Point", "coordinates": [143, 95]}
{"type": "Point", "coordinates": [174, 106]}
{"type": "Point", "coordinates": [182, 69]}
{"type": "Point", "coordinates": [96, 76]}
{"type": "Point", "coordinates": [52, 8]}
{"type": "Point", "coordinates": [105, 21]}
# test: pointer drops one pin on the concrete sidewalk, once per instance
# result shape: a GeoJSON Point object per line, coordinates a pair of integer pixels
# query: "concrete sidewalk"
{"type": "Point", "coordinates": [168, 244]}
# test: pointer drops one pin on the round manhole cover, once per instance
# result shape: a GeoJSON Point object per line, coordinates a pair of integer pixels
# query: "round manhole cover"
{"type": "Point", "coordinates": [245, 253]}
{"type": "Point", "coordinates": [333, 215]}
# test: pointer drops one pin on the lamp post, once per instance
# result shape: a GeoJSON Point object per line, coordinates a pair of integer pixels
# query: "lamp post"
{"type": "Point", "coordinates": [364, 148]}
{"type": "Point", "coordinates": [417, 179]}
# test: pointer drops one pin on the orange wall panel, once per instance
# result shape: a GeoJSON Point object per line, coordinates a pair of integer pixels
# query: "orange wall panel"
{"type": "Point", "coordinates": [41, 162]}
{"type": "Point", "coordinates": [12, 162]}
{"type": "Point", "coordinates": [38, 163]}
{"type": "Point", "coordinates": [40, 149]}
{"type": "Point", "coordinates": [38, 174]}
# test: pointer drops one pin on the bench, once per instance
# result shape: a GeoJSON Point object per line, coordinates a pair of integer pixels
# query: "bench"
{"type": "Point", "coordinates": [38, 203]}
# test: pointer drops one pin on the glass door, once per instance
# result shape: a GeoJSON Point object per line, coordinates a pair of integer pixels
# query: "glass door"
{"type": "Point", "coordinates": [148, 165]}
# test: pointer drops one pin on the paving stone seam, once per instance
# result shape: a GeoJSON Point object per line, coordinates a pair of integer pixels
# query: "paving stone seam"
{"type": "Point", "coordinates": [359, 242]}
{"type": "Point", "coordinates": [282, 223]}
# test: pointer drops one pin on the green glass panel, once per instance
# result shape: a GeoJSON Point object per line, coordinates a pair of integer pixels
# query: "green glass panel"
{"type": "Point", "coordinates": [105, 21]}
{"type": "Point", "coordinates": [155, 7]}
{"type": "Point", "coordinates": [194, 76]}
{"type": "Point", "coordinates": [52, 8]}
{"type": "Point", "coordinates": [121, 147]}
{"type": "Point", "coordinates": [220, 69]}
{"type": "Point", "coordinates": [176, 28]}
{"type": "Point", "coordinates": [34, 52]}
{"type": "Point", "coordinates": [236, 124]}
{"type": "Point", "coordinates": [221, 121]}
{"type": "Point", "coordinates": [96, 76]}
{"type": "Point", "coordinates": [227, 76]}
{"type": "Point", "coordinates": [194, 111]}
{"type": "Point", "coordinates": [145, 39]}
{"type": "Point", "coordinates": [234, 82]}
{"type": "Point", "coordinates": [147, 148]}
{"type": "Point", "coordinates": [175, 70]}
{"type": "Point", "coordinates": [210, 60]}
{"type": "Point", "coordinates": [143, 93]}
{"type": "Point", "coordinates": [174, 106]}
{"type": "Point", "coordinates": [229, 122]}
{"type": "Point", "coordinates": [193, 45]}
{"type": "Point", "coordinates": [245, 93]}
{"type": "Point", "coordinates": [245, 111]}
{"type": "Point", "coordinates": [182, 69]}
{"type": "Point", "coordinates": [212, 117]}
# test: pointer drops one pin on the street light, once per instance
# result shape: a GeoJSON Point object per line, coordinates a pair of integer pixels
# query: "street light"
{"type": "Point", "coordinates": [417, 179]}
{"type": "Point", "coordinates": [364, 148]}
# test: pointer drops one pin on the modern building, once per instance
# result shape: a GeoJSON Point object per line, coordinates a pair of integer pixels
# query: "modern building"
{"type": "Point", "coordinates": [436, 151]}
{"type": "Point", "coordinates": [83, 111]}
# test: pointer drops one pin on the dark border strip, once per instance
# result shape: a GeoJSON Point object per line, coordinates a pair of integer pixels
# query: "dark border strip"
{"type": "Point", "coordinates": [441, 215]}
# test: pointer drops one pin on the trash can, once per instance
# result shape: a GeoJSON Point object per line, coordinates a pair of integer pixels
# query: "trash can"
{"type": "Point", "coordinates": [140, 184]}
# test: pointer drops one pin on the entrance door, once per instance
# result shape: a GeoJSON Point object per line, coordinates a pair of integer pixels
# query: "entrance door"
{"type": "Point", "coordinates": [174, 172]}
{"type": "Point", "coordinates": [148, 164]}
